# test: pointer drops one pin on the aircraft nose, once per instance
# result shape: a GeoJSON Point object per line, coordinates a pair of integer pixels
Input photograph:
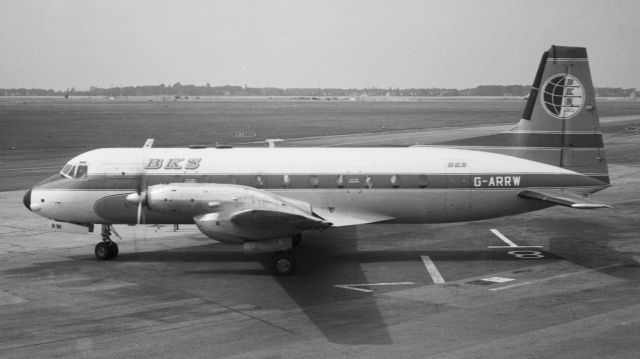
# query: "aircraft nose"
{"type": "Point", "coordinates": [27, 200]}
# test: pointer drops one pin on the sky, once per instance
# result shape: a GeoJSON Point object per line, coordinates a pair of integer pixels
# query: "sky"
{"type": "Point", "coordinates": [329, 44]}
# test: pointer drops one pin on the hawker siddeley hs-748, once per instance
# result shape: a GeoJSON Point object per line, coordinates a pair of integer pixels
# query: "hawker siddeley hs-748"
{"type": "Point", "coordinates": [266, 198]}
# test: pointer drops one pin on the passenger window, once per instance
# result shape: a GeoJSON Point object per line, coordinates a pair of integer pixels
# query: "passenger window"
{"type": "Point", "coordinates": [81, 172]}
{"type": "Point", "coordinates": [286, 181]}
{"type": "Point", "coordinates": [259, 181]}
{"type": "Point", "coordinates": [314, 181]}
{"type": "Point", "coordinates": [423, 182]}
{"type": "Point", "coordinates": [395, 181]}
{"type": "Point", "coordinates": [368, 182]}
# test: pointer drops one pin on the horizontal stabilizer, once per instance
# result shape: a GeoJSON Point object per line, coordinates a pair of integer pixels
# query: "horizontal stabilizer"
{"type": "Point", "coordinates": [561, 198]}
{"type": "Point", "coordinates": [346, 217]}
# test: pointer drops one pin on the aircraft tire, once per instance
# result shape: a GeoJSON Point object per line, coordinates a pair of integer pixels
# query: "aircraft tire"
{"type": "Point", "coordinates": [284, 264]}
{"type": "Point", "coordinates": [102, 251]}
{"type": "Point", "coordinates": [113, 250]}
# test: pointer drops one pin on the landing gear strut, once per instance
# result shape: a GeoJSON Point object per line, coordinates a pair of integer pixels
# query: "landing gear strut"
{"type": "Point", "coordinates": [284, 263]}
{"type": "Point", "coordinates": [296, 240]}
{"type": "Point", "coordinates": [107, 249]}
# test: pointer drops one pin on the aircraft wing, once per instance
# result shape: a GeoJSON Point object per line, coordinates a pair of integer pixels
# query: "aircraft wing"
{"type": "Point", "coordinates": [272, 219]}
{"type": "Point", "coordinates": [561, 198]}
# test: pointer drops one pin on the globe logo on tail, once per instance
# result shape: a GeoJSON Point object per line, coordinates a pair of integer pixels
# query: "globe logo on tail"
{"type": "Point", "coordinates": [562, 96]}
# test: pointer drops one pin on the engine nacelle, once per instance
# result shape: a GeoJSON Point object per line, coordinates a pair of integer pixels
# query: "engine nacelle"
{"type": "Point", "coordinates": [214, 206]}
{"type": "Point", "coordinates": [191, 199]}
{"type": "Point", "coordinates": [217, 227]}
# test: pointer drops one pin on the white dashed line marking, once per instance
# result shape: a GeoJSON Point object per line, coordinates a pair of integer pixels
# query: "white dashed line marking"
{"type": "Point", "coordinates": [433, 271]}
{"type": "Point", "coordinates": [506, 240]}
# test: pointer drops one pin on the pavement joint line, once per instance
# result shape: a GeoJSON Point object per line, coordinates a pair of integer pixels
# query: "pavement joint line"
{"type": "Point", "coordinates": [559, 276]}
{"type": "Point", "coordinates": [355, 286]}
{"type": "Point", "coordinates": [514, 247]}
{"type": "Point", "coordinates": [433, 270]}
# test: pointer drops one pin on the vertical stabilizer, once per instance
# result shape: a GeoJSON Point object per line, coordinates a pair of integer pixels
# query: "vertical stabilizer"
{"type": "Point", "coordinates": [560, 124]}
{"type": "Point", "coordinates": [561, 118]}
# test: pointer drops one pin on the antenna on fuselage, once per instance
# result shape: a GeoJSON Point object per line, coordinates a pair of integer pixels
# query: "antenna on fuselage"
{"type": "Point", "coordinates": [148, 143]}
{"type": "Point", "coordinates": [272, 141]}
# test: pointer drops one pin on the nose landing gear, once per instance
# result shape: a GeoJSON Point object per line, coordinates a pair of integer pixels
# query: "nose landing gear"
{"type": "Point", "coordinates": [107, 249]}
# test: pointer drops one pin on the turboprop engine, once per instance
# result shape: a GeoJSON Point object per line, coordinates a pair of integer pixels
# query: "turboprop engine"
{"type": "Point", "coordinates": [234, 213]}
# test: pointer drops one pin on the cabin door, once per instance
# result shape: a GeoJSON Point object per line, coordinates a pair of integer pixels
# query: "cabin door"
{"type": "Point", "coordinates": [457, 187]}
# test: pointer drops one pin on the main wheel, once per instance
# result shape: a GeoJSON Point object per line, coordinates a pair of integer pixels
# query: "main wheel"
{"type": "Point", "coordinates": [106, 250]}
{"type": "Point", "coordinates": [102, 251]}
{"type": "Point", "coordinates": [112, 247]}
{"type": "Point", "coordinates": [284, 264]}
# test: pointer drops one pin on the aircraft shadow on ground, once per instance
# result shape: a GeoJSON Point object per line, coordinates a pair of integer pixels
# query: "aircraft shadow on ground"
{"type": "Point", "coordinates": [324, 260]}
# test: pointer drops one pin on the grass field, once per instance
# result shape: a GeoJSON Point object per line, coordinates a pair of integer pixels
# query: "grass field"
{"type": "Point", "coordinates": [55, 124]}
{"type": "Point", "coordinates": [40, 134]}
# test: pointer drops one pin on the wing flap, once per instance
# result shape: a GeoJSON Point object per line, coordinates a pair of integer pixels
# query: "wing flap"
{"type": "Point", "coordinates": [346, 217]}
{"type": "Point", "coordinates": [561, 198]}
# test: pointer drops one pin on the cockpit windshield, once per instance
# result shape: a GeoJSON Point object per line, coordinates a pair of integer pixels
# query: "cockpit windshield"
{"type": "Point", "coordinates": [74, 171]}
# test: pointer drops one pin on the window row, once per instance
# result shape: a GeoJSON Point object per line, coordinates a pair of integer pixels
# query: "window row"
{"type": "Point", "coordinates": [329, 181]}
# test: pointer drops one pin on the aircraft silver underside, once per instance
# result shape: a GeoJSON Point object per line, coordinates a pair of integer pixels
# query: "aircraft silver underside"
{"type": "Point", "coordinates": [404, 206]}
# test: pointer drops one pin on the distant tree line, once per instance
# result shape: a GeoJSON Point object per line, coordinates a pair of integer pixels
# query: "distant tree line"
{"type": "Point", "coordinates": [179, 90]}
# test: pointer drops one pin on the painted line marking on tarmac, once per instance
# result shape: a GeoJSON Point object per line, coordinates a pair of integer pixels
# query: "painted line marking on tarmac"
{"type": "Point", "coordinates": [356, 287]}
{"type": "Point", "coordinates": [515, 285]}
{"type": "Point", "coordinates": [506, 240]}
{"type": "Point", "coordinates": [491, 281]}
{"type": "Point", "coordinates": [503, 237]}
{"type": "Point", "coordinates": [498, 279]}
{"type": "Point", "coordinates": [433, 271]}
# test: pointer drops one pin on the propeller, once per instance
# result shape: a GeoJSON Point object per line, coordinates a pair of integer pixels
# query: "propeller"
{"type": "Point", "coordinates": [139, 198]}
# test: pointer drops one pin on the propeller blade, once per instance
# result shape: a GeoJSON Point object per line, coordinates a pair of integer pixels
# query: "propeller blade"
{"type": "Point", "coordinates": [139, 212]}
{"type": "Point", "coordinates": [138, 199]}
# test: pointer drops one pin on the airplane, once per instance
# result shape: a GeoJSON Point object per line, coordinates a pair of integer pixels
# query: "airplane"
{"type": "Point", "coordinates": [266, 198]}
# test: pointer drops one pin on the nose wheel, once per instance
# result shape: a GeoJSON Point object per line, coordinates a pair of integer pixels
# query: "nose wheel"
{"type": "Point", "coordinates": [107, 249]}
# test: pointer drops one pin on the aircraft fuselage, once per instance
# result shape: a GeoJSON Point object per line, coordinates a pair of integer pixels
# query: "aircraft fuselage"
{"type": "Point", "coordinates": [406, 185]}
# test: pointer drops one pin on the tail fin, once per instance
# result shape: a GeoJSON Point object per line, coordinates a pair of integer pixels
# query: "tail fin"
{"type": "Point", "coordinates": [560, 124]}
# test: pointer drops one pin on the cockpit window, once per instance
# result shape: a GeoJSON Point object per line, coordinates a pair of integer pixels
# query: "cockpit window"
{"type": "Point", "coordinates": [81, 172]}
{"type": "Point", "coordinates": [65, 170]}
{"type": "Point", "coordinates": [73, 171]}
{"type": "Point", "coordinates": [68, 171]}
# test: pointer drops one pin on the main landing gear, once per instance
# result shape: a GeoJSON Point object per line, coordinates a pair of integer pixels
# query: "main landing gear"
{"type": "Point", "coordinates": [107, 249]}
{"type": "Point", "coordinates": [284, 263]}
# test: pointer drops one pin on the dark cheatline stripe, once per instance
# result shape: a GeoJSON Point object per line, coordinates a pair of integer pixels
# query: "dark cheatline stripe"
{"type": "Point", "coordinates": [523, 139]}
{"type": "Point", "coordinates": [343, 181]}
{"type": "Point", "coordinates": [564, 52]}
{"type": "Point", "coordinates": [535, 88]}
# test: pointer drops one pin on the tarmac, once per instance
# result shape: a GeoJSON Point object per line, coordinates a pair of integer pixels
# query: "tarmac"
{"type": "Point", "coordinates": [557, 283]}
